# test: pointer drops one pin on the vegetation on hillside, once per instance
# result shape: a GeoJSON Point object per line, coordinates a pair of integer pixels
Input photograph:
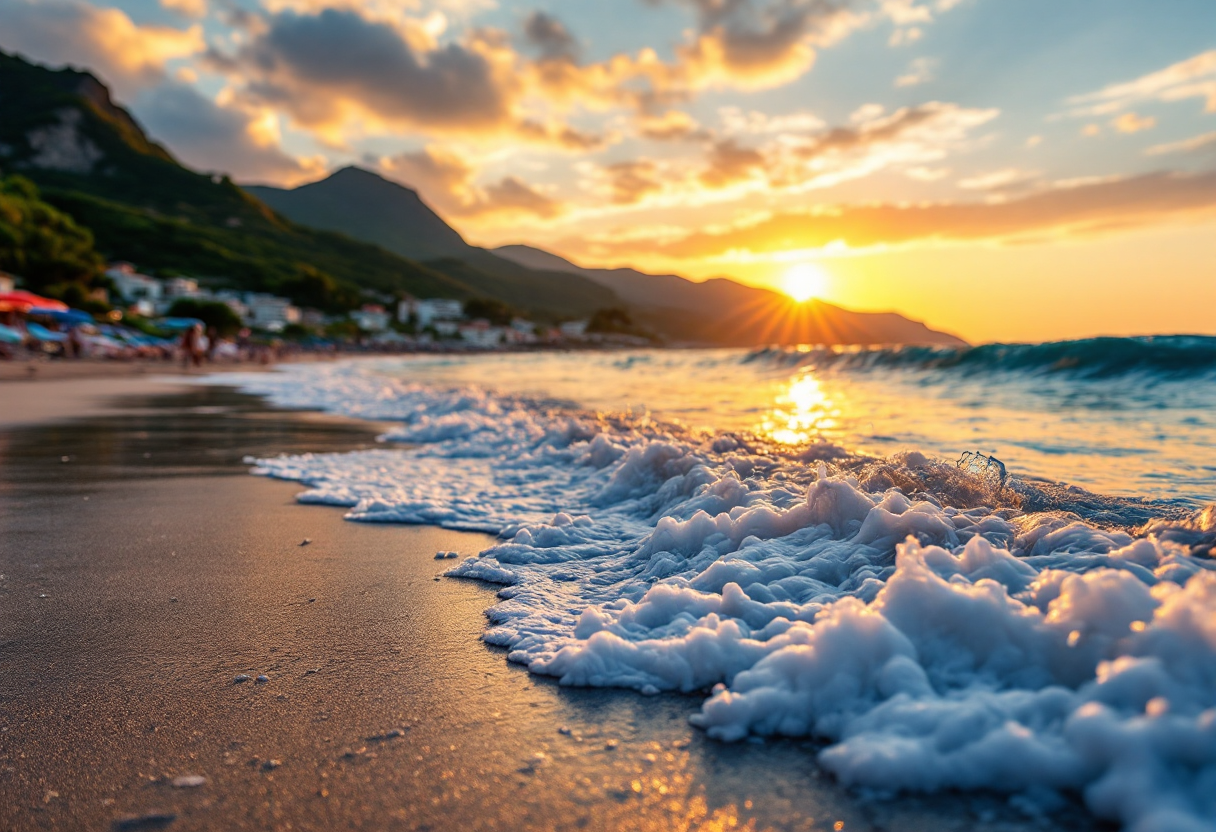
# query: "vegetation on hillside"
{"type": "Point", "coordinates": [144, 207]}
{"type": "Point", "coordinates": [213, 313]}
{"type": "Point", "coordinates": [43, 245]}
{"type": "Point", "coordinates": [314, 268]}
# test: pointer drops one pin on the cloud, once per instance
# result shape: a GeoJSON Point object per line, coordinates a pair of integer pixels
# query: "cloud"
{"type": "Point", "coordinates": [736, 44]}
{"type": "Point", "coordinates": [105, 41]}
{"type": "Point", "coordinates": [736, 121]}
{"type": "Point", "coordinates": [207, 136]}
{"type": "Point", "coordinates": [512, 195]}
{"type": "Point", "coordinates": [1132, 123]}
{"type": "Point", "coordinates": [760, 43]}
{"type": "Point", "coordinates": [631, 182]}
{"type": "Point", "coordinates": [1204, 140]}
{"type": "Point", "coordinates": [672, 125]}
{"type": "Point", "coordinates": [1193, 78]}
{"type": "Point", "coordinates": [1078, 210]}
{"type": "Point", "coordinates": [446, 180]}
{"type": "Point", "coordinates": [920, 71]}
{"type": "Point", "coordinates": [340, 74]}
{"type": "Point", "coordinates": [327, 66]}
{"type": "Point", "coordinates": [550, 36]}
{"type": "Point", "coordinates": [1007, 179]}
{"type": "Point", "coordinates": [196, 9]}
{"type": "Point", "coordinates": [923, 133]}
{"type": "Point", "coordinates": [806, 158]}
{"type": "Point", "coordinates": [729, 162]}
{"type": "Point", "coordinates": [899, 37]}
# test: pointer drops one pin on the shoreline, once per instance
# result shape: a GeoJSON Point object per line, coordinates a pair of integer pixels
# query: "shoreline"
{"type": "Point", "coordinates": [143, 575]}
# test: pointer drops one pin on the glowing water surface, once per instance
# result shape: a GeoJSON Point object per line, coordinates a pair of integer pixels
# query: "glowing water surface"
{"type": "Point", "coordinates": [1131, 435]}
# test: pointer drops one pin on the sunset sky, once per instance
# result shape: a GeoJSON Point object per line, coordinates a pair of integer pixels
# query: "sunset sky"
{"type": "Point", "coordinates": [1004, 169]}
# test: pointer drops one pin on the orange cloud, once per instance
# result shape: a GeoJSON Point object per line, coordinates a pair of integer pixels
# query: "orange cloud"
{"type": "Point", "coordinates": [1062, 211]}
{"type": "Point", "coordinates": [1193, 78]}
{"type": "Point", "coordinates": [447, 181]}
{"type": "Point", "coordinates": [339, 73]}
{"type": "Point", "coordinates": [104, 40]}
{"type": "Point", "coordinates": [730, 162]}
{"type": "Point", "coordinates": [1132, 123]}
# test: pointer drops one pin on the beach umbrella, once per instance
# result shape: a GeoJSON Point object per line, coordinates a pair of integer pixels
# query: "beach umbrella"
{"type": "Point", "coordinates": [176, 324]}
{"type": "Point", "coordinates": [8, 335]}
{"type": "Point", "coordinates": [25, 300]}
{"type": "Point", "coordinates": [63, 316]}
{"type": "Point", "coordinates": [41, 333]}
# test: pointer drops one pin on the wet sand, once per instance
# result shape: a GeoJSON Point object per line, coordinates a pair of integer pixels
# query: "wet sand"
{"type": "Point", "coordinates": [142, 570]}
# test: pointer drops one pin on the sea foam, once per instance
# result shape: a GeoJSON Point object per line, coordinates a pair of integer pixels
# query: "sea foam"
{"type": "Point", "coordinates": [934, 633]}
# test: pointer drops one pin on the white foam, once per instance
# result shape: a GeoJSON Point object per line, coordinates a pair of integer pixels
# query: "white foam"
{"type": "Point", "coordinates": [933, 645]}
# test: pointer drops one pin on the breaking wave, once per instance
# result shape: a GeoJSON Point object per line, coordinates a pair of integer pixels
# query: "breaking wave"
{"type": "Point", "coordinates": [934, 630]}
{"type": "Point", "coordinates": [1168, 356]}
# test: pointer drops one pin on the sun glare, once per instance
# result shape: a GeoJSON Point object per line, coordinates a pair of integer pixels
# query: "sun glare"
{"type": "Point", "coordinates": [805, 281]}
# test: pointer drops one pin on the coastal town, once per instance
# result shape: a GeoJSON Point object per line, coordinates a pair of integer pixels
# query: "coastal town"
{"type": "Point", "coordinates": [141, 315]}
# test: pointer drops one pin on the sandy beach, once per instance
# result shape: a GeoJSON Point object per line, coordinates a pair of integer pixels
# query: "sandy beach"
{"type": "Point", "coordinates": [142, 572]}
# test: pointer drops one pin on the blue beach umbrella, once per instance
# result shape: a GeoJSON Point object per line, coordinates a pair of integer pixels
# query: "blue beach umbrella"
{"type": "Point", "coordinates": [64, 316]}
{"type": "Point", "coordinates": [40, 333]}
{"type": "Point", "coordinates": [8, 335]}
{"type": "Point", "coordinates": [177, 324]}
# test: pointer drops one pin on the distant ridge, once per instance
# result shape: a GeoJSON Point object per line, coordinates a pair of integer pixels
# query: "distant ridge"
{"type": "Point", "coordinates": [364, 205]}
{"type": "Point", "coordinates": [723, 311]}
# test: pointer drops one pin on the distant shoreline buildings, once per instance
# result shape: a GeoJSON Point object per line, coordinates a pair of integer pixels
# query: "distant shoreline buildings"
{"type": "Point", "coordinates": [424, 321]}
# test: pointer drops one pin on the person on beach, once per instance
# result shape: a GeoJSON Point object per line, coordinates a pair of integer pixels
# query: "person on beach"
{"type": "Point", "coordinates": [75, 343]}
{"type": "Point", "coordinates": [191, 346]}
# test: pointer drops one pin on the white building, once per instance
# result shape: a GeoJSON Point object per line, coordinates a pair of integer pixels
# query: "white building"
{"type": "Point", "coordinates": [574, 329]}
{"type": "Point", "coordinates": [181, 287]}
{"type": "Point", "coordinates": [371, 318]}
{"type": "Point", "coordinates": [134, 287]}
{"type": "Point", "coordinates": [446, 329]}
{"type": "Point", "coordinates": [270, 312]}
{"type": "Point", "coordinates": [427, 312]}
{"type": "Point", "coordinates": [481, 334]}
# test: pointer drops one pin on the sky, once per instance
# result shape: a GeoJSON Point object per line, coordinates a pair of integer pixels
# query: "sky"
{"type": "Point", "coordinates": [1015, 170]}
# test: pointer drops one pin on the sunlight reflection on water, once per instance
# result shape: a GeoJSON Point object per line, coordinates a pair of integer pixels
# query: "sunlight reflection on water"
{"type": "Point", "coordinates": [1116, 436]}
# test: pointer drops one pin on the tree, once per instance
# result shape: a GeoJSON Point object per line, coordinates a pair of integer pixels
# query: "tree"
{"type": "Point", "coordinates": [494, 311]}
{"type": "Point", "coordinates": [42, 244]}
{"type": "Point", "coordinates": [212, 313]}
{"type": "Point", "coordinates": [614, 319]}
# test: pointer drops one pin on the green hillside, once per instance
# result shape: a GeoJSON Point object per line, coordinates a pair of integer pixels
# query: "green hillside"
{"type": "Point", "coordinates": [90, 159]}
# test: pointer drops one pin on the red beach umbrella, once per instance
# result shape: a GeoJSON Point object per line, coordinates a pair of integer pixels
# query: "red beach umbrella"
{"type": "Point", "coordinates": [23, 300]}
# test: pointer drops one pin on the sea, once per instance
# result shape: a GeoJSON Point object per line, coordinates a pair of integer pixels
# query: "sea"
{"type": "Point", "coordinates": [961, 568]}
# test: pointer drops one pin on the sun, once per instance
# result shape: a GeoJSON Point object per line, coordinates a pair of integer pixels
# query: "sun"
{"type": "Point", "coordinates": [804, 281]}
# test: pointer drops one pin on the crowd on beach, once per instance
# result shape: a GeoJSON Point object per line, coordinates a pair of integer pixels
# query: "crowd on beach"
{"type": "Point", "coordinates": [34, 327]}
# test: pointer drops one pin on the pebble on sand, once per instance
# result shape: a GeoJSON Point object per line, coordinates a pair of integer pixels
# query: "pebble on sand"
{"type": "Point", "coordinates": [263, 679]}
{"type": "Point", "coordinates": [189, 781]}
{"type": "Point", "coordinates": [148, 820]}
{"type": "Point", "coordinates": [240, 677]}
{"type": "Point", "coordinates": [306, 541]}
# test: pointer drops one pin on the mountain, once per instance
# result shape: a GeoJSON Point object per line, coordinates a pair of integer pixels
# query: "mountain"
{"type": "Point", "coordinates": [368, 207]}
{"type": "Point", "coordinates": [717, 311]}
{"type": "Point", "coordinates": [722, 311]}
{"type": "Point", "coordinates": [361, 204]}
{"type": "Point", "coordinates": [91, 159]}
